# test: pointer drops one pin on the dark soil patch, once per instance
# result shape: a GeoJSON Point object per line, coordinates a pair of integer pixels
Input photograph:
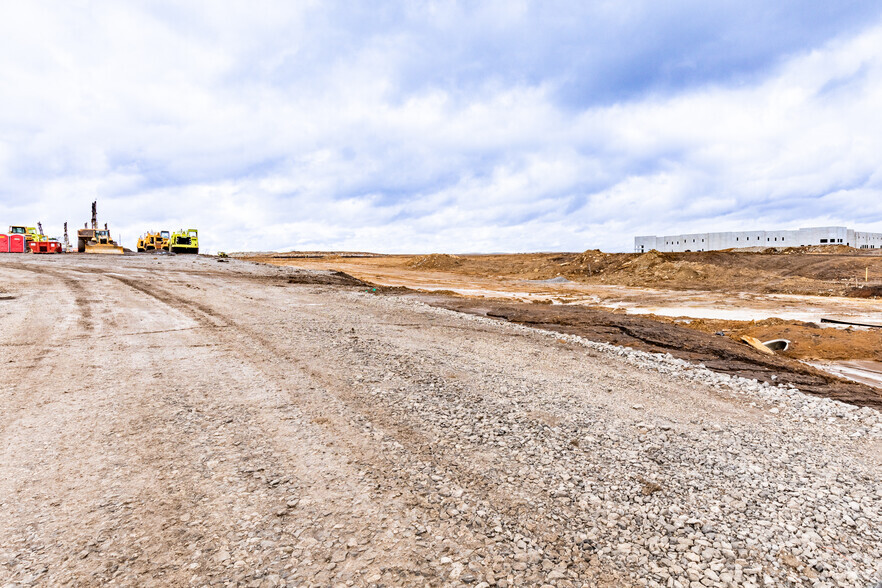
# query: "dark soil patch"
{"type": "Point", "coordinates": [865, 292]}
{"type": "Point", "coordinates": [332, 278]}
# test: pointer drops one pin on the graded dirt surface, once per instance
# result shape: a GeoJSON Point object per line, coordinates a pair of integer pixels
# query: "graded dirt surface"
{"type": "Point", "coordinates": [181, 421]}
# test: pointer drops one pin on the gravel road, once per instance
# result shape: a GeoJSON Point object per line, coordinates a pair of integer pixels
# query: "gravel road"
{"type": "Point", "coordinates": [176, 421]}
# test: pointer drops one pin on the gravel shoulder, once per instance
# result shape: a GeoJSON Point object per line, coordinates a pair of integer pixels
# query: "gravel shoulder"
{"type": "Point", "coordinates": [173, 421]}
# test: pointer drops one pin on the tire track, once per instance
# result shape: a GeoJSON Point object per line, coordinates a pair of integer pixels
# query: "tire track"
{"type": "Point", "coordinates": [429, 472]}
{"type": "Point", "coordinates": [235, 340]}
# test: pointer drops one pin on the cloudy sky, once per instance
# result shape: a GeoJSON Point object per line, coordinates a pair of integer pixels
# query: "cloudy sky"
{"type": "Point", "coordinates": [424, 126]}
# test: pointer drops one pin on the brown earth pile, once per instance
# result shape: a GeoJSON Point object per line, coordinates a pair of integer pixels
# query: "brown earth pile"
{"type": "Point", "coordinates": [435, 261]}
{"type": "Point", "coordinates": [865, 292]}
{"type": "Point", "coordinates": [809, 270]}
{"type": "Point", "coordinates": [654, 267]}
{"type": "Point", "coordinates": [826, 249]}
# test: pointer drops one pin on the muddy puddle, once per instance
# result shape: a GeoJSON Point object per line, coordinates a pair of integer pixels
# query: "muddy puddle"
{"type": "Point", "coordinates": [863, 371]}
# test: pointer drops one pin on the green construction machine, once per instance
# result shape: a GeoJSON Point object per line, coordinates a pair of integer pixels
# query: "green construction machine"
{"type": "Point", "coordinates": [184, 241]}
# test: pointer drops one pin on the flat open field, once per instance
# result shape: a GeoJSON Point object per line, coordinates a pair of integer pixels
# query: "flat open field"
{"type": "Point", "coordinates": [178, 421]}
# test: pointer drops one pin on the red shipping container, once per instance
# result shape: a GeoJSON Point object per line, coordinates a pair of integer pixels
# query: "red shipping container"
{"type": "Point", "coordinates": [4, 243]}
{"type": "Point", "coordinates": [17, 244]}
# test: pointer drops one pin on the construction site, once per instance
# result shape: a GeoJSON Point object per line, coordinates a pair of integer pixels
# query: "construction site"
{"type": "Point", "coordinates": [93, 239]}
{"type": "Point", "coordinates": [355, 419]}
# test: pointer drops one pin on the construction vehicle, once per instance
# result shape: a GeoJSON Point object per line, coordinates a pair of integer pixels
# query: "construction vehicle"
{"type": "Point", "coordinates": [96, 240]}
{"type": "Point", "coordinates": [154, 241]}
{"type": "Point", "coordinates": [30, 233]}
{"type": "Point", "coordinates": [184, 241]}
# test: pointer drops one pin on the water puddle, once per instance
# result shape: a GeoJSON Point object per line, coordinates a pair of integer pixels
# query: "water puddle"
{"type": "Point", "coordinates": [862, 371]}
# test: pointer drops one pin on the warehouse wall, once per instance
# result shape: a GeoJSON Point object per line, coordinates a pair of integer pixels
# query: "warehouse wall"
{"type": "Point", "coordinates": [741, 239]}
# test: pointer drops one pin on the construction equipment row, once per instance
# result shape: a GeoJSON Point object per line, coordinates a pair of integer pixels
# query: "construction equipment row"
{"type": "Point", "coordinates": [24, 239]}
{"type": "Point", "coordinates": [183, 241]}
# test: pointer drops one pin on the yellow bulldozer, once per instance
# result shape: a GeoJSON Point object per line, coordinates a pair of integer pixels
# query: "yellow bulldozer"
{"type": "Point", "coordinates": [156, 241]}
{"type": "Point", "coordinates": [96, 240]}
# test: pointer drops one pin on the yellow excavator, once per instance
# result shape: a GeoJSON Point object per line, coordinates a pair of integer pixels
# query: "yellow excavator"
{"type": "Point", "coordinates": [96, 240]}
{"type": "Point", "coordinates": [154, 241]}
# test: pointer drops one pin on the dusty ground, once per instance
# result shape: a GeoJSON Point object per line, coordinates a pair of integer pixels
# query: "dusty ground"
{"type": "Point", "coordinates": [173, 421]}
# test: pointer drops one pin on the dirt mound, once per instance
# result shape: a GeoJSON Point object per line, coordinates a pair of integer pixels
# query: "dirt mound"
{"type": "Point", "coordinates": [324, 278]}
{"type": "Point", "coordinates": [865, 292]}
{"type": "Point", "coordinates": [438, 261]}
{"type": "Point", "coordinates": [592, 262]}
{"type": "Point", "coordinates": [828, 249]}
{"type": "Point", "coordinates": [649, 260]}
{"type": "Point", "coordinates": [595, 256]}
{"type": "Point", "coordinates": [796, 271]}
{"type": "Point", "coordinates": [654, 266]}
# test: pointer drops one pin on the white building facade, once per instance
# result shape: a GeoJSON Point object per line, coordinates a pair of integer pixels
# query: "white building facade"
{"type": "Point", "coordinates": [741, 239]}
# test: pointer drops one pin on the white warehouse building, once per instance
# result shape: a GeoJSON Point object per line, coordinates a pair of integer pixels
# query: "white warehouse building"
{"type": "Point", "coordinates": [741, 239]}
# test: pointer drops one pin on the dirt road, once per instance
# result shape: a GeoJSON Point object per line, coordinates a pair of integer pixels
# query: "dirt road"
{"type": "Point", "coordinates": [173, 421]}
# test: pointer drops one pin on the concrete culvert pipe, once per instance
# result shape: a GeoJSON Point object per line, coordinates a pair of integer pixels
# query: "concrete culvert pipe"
{"type": "Point", "coordinates": [777, 344]}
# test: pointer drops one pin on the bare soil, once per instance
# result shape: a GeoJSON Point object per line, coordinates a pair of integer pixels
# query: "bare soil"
{"type": "Point", "coordinates": [822, 270]}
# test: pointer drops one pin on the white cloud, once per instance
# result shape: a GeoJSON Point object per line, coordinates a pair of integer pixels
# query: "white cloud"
{"type": "Point", "coordinates": [274, 126]}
